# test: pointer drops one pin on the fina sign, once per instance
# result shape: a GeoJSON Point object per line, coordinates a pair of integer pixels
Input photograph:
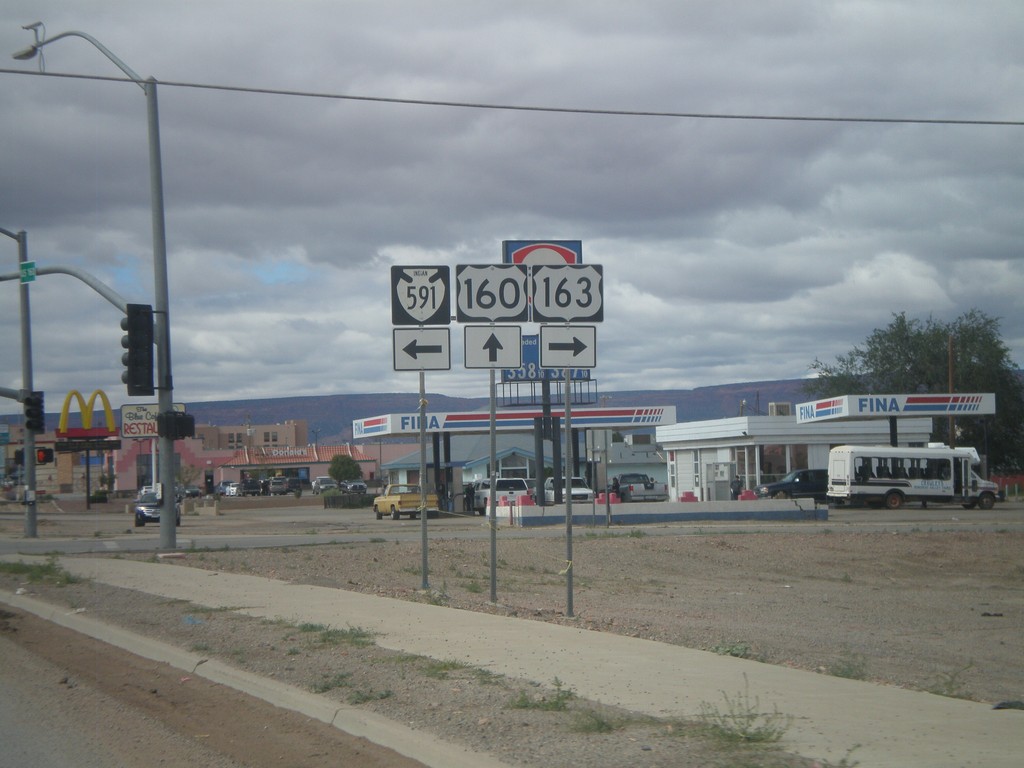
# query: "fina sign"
{"type": "Point", "coordinates": [884, 406]}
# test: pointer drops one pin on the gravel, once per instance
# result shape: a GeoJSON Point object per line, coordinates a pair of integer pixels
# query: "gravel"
{"type": "Point", "coordinates": [940, 612]}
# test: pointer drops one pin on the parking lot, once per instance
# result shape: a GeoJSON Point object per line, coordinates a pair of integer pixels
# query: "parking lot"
{"type": "Point", "coordinates": [265, 521]}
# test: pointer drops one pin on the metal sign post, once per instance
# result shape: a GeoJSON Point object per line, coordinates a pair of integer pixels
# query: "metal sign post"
{"type": "Point", "coordinates": [567, 468]}
{"type": "Point", "coordinates": [425, 584]}
{"type": "Point", "coordinates": [493, 515]}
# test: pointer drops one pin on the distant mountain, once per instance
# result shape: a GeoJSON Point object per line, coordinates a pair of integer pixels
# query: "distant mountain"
{"type": "Point", "coordinates": [330, 417]}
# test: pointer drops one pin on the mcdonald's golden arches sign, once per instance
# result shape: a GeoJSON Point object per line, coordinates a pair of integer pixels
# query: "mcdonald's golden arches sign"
{"type": "Point", "coordinates": [86, 408]}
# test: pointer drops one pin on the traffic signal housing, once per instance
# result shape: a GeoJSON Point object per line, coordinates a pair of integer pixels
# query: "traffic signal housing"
{"type": "Point", "coordinates": [138, 340]}
{"type": "Point", "coordinates": [44, 455]}
{"type": "Point", "coordinates": [176, 425]}
{"type": "Point", "coordinates": [35, 412]}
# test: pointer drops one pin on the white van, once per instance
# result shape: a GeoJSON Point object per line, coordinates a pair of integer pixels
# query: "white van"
{"type": "Point", "coordinates": [881, 475]}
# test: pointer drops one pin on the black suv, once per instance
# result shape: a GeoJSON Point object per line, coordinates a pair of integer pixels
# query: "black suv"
{"type": "Point", "coordinates": [798, 484]}
{"type": "Point", "coordinates": [250, 487]}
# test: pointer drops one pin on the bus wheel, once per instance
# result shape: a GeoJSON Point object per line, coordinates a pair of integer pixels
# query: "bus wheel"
{"type": "Point", "coordinates": [986, 501]}
{"type": "Point", "coordinates": [893, 500]}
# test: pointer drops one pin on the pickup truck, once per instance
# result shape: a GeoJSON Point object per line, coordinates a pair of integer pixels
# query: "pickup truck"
{"type": "Point", "coordinates": [402, 499]}
{"type": "Point", "coordinates": [633, 486]}
{"type": "Point", "coordinates": [509, 487]}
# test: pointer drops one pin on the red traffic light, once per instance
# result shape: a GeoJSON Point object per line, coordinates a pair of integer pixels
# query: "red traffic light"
{"type": "Point", "coordinates": [44, 455]}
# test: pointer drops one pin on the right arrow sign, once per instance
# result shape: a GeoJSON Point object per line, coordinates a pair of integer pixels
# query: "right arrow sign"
{"type": "Point", "coordinates": [568, 346]}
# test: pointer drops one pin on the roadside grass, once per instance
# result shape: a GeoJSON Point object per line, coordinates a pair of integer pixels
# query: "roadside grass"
{"type": "Point", "coordinates": [439, 669]}
{"type": "Point", "coordinates": [340, 680]}
{"type": "Point", "coordinates": [852, 666]}
{"type": "Point", "coordinates": [738, 650]}
{"type": "Point", "coordinates": [41, 573]}
{"type": "Point", "coordinates": [556, 702]}
{"type": "Point", "coordinates": [741, 719]}
{"type": "Point", "coordinates": [951, 684]}
{"type": "Point", "coordinates": [327, 635]}
{"type": "Point", "coordinates": [363, 696]}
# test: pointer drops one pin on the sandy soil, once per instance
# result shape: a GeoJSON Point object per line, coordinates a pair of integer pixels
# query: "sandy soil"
{"type": "Point", "coordinates": [939, 612]}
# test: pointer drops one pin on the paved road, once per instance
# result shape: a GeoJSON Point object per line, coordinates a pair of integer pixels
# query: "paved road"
{"type": "Point", "coordinates": [48, 720]}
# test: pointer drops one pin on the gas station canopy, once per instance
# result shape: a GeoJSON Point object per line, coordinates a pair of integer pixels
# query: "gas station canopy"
{"type": "Point", "coordinates": [885, 406]}
{"type": "Point", "coordinates": [518, 420]}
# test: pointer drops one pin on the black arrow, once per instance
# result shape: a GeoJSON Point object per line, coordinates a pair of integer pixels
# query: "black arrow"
{"type": "Point", "coordinates": [412, 349]}
{"type": "Point", "coordinates": [575, 347]}
{"type": "Point", "coordinates": [492, 345]}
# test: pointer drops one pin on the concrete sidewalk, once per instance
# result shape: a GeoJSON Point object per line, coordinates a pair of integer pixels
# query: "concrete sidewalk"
{"type": "Point", "coordinates": [889, 726]}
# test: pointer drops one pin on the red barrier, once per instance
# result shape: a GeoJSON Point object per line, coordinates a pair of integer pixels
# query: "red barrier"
{"type": "Point", "coordinates": [688, 496]}
{"type": "Point", "coordinates": [748, 495]}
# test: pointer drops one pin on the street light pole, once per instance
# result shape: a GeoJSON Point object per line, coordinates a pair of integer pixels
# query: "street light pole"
{"type": "Point", "coordinates": [29, 437]}
{"type": "Point", "coordinates": [161, 306]}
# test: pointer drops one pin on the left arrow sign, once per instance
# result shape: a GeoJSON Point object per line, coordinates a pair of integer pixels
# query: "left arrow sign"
{"type": "Point", "coordinates": [414, 349]}
{"type": "Point", "coordinates": [422, 349]}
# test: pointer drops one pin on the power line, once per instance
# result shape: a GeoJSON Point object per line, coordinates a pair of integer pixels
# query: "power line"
{"type": "Point", "coordinates": [535, 108]}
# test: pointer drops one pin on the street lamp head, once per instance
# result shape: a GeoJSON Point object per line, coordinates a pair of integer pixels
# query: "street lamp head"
{"type": "Point", "coordinates": [30, 53]}
{"type": "Point", "coordinates": [26, 53]}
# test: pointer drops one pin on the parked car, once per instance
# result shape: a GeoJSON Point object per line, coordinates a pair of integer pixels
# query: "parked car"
{"type": "Point", "coordinates": [798, 484]}
{"type": "Point", "coordinates": [323, 483]}
{"type": "Point", "coordinates": [294, 484]}
{"type": "Point", "coordinates": [250, 487]}
{"type": "Point", "coordinates": [277, 486]}
{"type": "Point", "coordinates": [233, 489]}
{"type": "Point", "coordinates": [580, 490]}
{"type": "Point", "coordinates": [192, 492]}
{"type": "Point", "coordinates": [147, 510]}
{"type": "Point", "coordinates": [355, 486]}
{"type": "Point", "coordinates": [509, 487]}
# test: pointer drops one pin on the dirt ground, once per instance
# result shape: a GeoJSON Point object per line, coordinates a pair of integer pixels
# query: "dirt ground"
{"type": "Point", "coordinates": [939, 612]}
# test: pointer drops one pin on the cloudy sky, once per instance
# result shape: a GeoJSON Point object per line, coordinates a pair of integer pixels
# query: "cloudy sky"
{"type": "Point", "coordinates": [733, 249]}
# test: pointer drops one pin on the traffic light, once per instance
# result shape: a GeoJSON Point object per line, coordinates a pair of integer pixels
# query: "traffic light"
{"type": "Point", "coordinates": [35, 413]}
{"type": "Point", "coordinates": [19, 457]}
{"type": "Point", "coordinates": [44, 455]}
{"type": "Point", "coordinates": [138, 360]}
{"type": "Point", "coordinates": [175, 425]}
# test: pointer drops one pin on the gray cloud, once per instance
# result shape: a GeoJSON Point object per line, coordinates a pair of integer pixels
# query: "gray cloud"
{"type": "Point", "coordinates": [733, 250]}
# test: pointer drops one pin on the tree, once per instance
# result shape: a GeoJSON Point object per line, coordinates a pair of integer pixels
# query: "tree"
{"type": "Point", "coordinates": [345, 468]}
{"type": "Point", "coordinates": [911, 356]}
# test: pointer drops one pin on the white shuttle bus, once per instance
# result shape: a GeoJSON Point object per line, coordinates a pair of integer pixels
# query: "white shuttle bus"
{"type": "Point", "coordinates": [880, 475]}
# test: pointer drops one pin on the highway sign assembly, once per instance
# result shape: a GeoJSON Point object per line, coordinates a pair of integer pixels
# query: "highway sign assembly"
{"type": "Point", "coordinates": [493, 346]}
{"type": "Point", "coordinates": [422, 349]}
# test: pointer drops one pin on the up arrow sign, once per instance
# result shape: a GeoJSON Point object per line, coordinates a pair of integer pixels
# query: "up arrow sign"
{"type": "Point", "coordinates": [568, 346]}
{"type": "Point", "coordinates": [494, 346]}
